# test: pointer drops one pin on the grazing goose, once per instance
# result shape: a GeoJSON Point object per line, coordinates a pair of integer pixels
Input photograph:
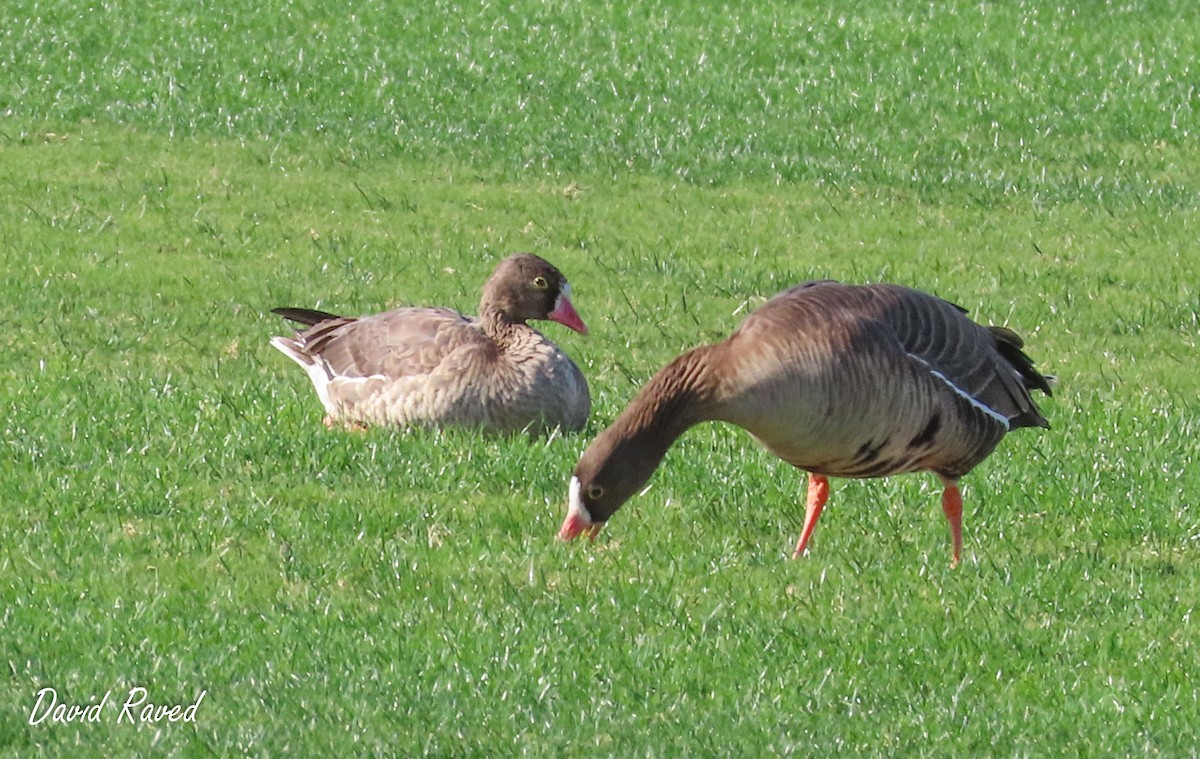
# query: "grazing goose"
{"type": "Point", "coordinates": [436, 367]}
{"type": "Point", "coordinates": [838, 380]}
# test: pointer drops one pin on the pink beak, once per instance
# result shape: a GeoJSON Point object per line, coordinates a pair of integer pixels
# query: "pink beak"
{"type": "Point", "coordinates": [575, 525]}
{"type": "Point", "coordinates": [564, 313]}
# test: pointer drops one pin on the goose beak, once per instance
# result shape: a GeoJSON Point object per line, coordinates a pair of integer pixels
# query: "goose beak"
{"type": "Point", "coordinates": [564, 313]}
{"type": "Point", "coordinates": [575, 525]}
{"type": "Point", "coordinates": [578, 521]}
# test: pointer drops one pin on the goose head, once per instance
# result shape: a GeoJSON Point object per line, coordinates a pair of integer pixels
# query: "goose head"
{"type": "Point", "coordinates": [524, 287]}
{"type": "Point", "coordinates": [621, 460]}
{"type": "Point", "coordinates": [599, 486]}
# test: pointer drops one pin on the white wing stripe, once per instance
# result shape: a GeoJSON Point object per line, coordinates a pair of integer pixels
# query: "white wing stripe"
{"type": "Point", "coordinates": [962, 393]}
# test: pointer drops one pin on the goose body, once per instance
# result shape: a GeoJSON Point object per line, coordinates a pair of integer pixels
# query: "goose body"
{"type": "Point", "coordinates": [838, 380]}
{"type": "Point", "coordinates": [437, 367]}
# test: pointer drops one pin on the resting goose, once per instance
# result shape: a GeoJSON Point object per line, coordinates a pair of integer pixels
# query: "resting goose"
{"type": "Point", "coordinates": [838, 380]}
{"type": "Point", "coordinates": [436, 367]}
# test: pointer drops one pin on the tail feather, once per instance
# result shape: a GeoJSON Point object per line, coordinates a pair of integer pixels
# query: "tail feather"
{"type": "Point", "coordinates": [1009, 344]}
{"type": "Point", "coordinates": [316, 369]}
{"type": "Point", "coordinates": [293, 350]}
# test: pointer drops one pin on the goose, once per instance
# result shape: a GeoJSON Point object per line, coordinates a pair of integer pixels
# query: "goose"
{"type": "Point", "coordinates": [437, 367]}
{"type": "Point", "coordinates": [838, 380]}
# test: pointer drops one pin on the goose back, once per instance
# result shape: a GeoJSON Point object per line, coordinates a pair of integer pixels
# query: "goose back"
{"type": "Point", "coordinates": [444, 370]}
{"type": "Point", "coordinates": [865, 381]}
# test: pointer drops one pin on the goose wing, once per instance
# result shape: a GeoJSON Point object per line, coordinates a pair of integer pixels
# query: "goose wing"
{"type": "Point", "coordinates": [984, 364]}
{"type": "Point", "coordinates": [404, 342]}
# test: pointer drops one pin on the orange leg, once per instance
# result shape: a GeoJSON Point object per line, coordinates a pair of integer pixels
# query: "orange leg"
{"type": "Point", "coordinates": [818, 493]}
{"type": "Point", "coordinates": [350, 426]}
{"type": "Point", "coordinates": [952, 505]}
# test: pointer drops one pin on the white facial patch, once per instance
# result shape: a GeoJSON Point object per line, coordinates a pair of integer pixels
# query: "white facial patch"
{"type": "Point", "coordinates": [575, 505]}
{"type": "Point", "coordinates": [563, 294]}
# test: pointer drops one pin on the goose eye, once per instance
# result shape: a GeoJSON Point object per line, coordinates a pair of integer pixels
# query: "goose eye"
{"type": "Point", "coordinates": [540, 283]}
{"type": "Point", "coordinates": [595, 492]}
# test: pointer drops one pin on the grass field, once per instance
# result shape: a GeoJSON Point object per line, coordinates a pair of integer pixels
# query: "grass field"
{"type": "Point", "coordinates": [176, 518]}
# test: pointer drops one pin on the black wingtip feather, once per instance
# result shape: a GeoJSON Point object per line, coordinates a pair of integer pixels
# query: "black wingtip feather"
{"type": "Point", "coordinates": [306, 316]}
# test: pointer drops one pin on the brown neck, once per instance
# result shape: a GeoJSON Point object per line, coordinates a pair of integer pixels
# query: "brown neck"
{"type": "Point", "coordinates": [496, 322]}
{"type": "Point", "coordinates": [622, 457]}
{"type": "Point", "coordinates": [679, 396]}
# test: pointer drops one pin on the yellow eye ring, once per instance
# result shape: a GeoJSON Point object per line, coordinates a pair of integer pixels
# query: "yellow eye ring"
{"type": "Point", "coordinates": [540, 282]}
{"type": "Point", "coordinates": [595, 492]}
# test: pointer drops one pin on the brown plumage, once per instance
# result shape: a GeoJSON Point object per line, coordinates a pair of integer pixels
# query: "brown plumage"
{"type": "Point", "coordinates": [838, 380]}
{"type": "Point", "coordinates": [436, 367]}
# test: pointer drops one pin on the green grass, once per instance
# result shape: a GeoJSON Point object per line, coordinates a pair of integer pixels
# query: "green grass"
{"type": "Point", "coordinates": [975, 101]}
{"type": "Point", "coordinates": [176, 517]}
